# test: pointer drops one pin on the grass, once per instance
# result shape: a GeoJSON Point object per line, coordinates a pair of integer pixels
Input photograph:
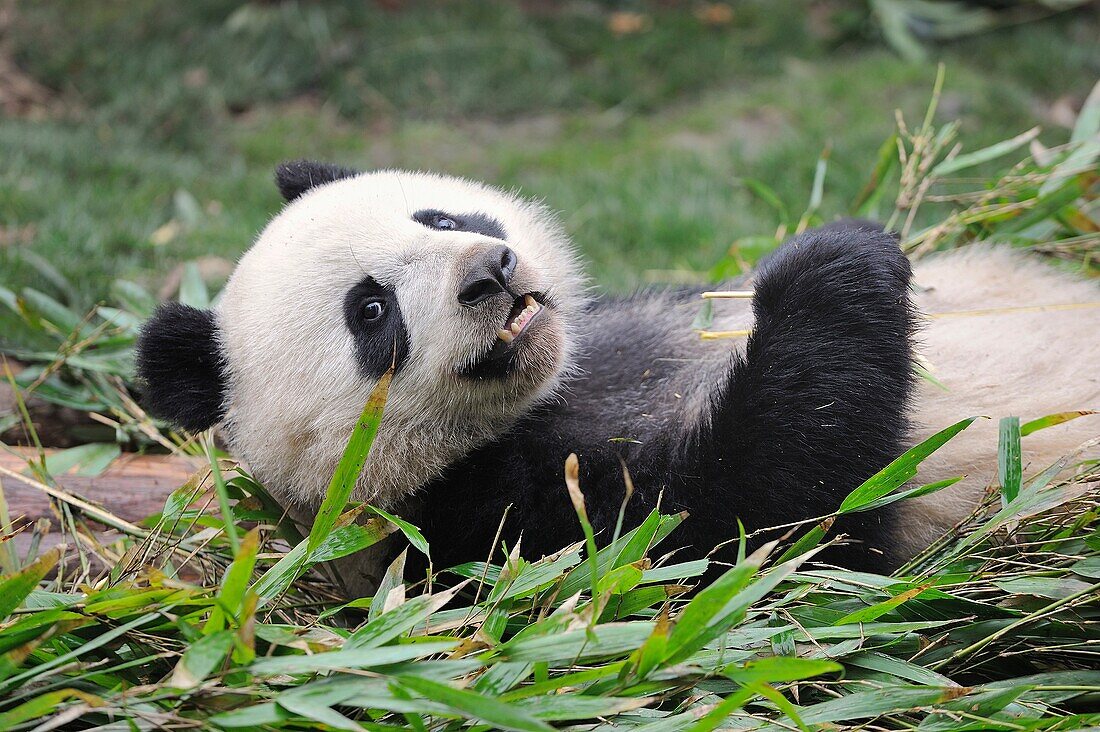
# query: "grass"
{"type": "Point", "coordinates": [643, 141]}
{"type": "Point", "coordinates": [218, 613]}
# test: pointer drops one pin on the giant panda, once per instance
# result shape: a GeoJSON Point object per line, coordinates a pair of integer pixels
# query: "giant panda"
{"type": "Point", "coordinates": [506, 362]}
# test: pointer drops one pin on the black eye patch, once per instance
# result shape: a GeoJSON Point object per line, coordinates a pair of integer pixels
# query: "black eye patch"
{"type": "Point", "coordinates": [374, 318]}
{"type": "Point", "coordinates": [477, 223]}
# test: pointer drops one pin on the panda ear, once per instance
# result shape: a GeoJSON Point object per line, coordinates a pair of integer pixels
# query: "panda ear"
{"type": "Point", "coordinates": [296, 177]}
{"type": "Point", "coordinates": [181, 367]}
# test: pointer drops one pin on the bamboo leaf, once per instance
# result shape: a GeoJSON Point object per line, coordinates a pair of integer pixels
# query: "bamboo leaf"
{"type": "Point", "coordinates": [1051, 420]}
{"type": "Point", "coordinates": [351, 464]}
{"type": "Point", "coordinates": [986, 154]}
{"type": "Point", "coordinates": [1009, 465]}
{"type": "Point", "coordinates": [193, 290]}
{"type": "Point", "coordinates": [780, 669]}
{"type": "Point", "coordinates": [201, 659]}
{"type": "Point", "coordinates": [900, 470]}
{"type": "Point", "coordinates": [472, 705]}
{"type": "Point", "coordinates": [15, 588]}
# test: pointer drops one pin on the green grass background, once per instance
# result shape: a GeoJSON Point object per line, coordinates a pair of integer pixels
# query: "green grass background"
{"type": "Point", "coordinates": [163, 112]}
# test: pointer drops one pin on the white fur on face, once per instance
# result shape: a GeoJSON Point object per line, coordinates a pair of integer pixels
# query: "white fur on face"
{"type": "Point", "coordinates": [295, 387]}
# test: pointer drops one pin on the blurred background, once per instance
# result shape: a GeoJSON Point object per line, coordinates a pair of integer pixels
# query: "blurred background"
{"type": "Point", "coordinates": [137, 135]}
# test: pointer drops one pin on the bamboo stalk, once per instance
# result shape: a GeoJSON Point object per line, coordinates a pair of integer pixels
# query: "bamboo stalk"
{"type": "Point", "coordinates": [713, 335]}
{"type": "Point", "coordinates": [728, 294]}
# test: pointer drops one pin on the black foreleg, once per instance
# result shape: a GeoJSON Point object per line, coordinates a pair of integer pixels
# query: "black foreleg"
{"type": "Point", "coordinates": [817, 403]}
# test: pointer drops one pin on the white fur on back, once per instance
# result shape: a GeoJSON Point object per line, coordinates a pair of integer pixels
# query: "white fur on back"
{"type": "Point", "coordinates": [1014, 363]}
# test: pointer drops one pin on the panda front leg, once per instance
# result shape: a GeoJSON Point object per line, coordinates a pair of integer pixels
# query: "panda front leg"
{"type": "Point", "coordinates": [818, 401]}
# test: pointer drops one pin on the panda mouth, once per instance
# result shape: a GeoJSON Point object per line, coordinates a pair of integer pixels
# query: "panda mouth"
{"type": "Point", "coordinates": [524, 311]}
{"type": "Point", "coordinates": [500, 360]}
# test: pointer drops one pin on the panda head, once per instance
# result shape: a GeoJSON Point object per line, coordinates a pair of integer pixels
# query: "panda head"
{"type": "Point", "coordinates": [473, 295]}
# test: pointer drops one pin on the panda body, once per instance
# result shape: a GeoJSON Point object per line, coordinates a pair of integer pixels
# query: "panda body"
{"type": "Point", "coordinates": [364, 271]}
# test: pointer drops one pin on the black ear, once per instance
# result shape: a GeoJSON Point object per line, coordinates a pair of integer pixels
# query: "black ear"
{"type": "Point", "coordinates": [298, 176]}
{"type": "Point", "coordinates": [182, 368]}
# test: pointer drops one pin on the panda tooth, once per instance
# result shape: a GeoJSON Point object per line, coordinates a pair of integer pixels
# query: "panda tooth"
{"type": "Point", "coordinates": [529, 301]}
{"type": "Point", "coordinates": [516, 328]}
{"type": "Point", "coordinates": [505, 335]}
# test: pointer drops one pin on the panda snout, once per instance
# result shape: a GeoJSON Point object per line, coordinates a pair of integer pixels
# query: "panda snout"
{"type": "Point", "coordinates": [488, 273]}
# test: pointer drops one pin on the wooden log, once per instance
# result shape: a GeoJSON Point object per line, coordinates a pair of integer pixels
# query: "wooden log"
{"type": "Point", "coordinates": [133, 487]}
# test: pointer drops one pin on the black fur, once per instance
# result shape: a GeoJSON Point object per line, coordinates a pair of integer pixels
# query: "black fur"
{"type": "Point", "coordinates": [296, 177]}
{"type": "Point", "coordinates": [478, 223]}
{"type": "Point", "coordinates": [378, 343]}
{"type": "Point", "coordinates": [181, 368]}
{"type": "Point", "coordinates": [815, 406]}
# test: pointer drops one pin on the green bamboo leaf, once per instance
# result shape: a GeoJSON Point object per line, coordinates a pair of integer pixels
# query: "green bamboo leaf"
{"type": "Point", "coordinates": [900, 668]}
{"type": "Point", "coordinates": [472, 705]}
{"type": "Point", "coordinates": [807, 541]}
{"type": "Point", "coordinates": [60, 316]}
{"type": "Point", "coordinates": [1009, 462]}
{"type": "Point", "coordinates": [193, 290]}
{"type": "Point", "coordinates": [44, 705]}
{"type": "Point", "coordinates": [628, 548]}
{"type": "Point", "coordinates": [355, 658]}
{"type": "Point", "coordinates": [713, 718]}
{"type": "Point", "coordinates": [1055, 588]}
{"type": "Point", "coordinates": [87, 460]}
{"type": "Point", "coordinates": [1088, 119]}
{"type": "Point", "coordinates": [9, 298]}
{"type": "Point", "coordinates": [325, 715]}
{"type": "Point", "coordinates": [706, 609]}
{"type": "Point", "coordinates": [768, 195]}
{"type": "Point", "coordinates": [655, 649]}
{"type": "Point", "coordinates": [920, 490]}
{"type": "Point", "coordinates": [351, 464]}
{"type": "Point", "coordinates": [201, 659]}
{"type": "Point", "coordinates": [15, 588]}
{"type": "Point", "coordinates": [599, 641]}
{"type": "Point", "coordinates": [403, 618]}
{"type": "Point", "coordinates": [341, 542]}
{"type": "Point", "coordinates": [637, 600]}
{"type": "Point", "coordinates": [253, 717]}
{"type": "Point", "coordinates": [49, 272]}
{"type": "Point", "coordinates": [1053, 419]}
{"type": "Point", "coordinates": [82, 649]}
{"type": "Point", "coordinates": [416, 539]}
{"type": "Point", "coordinates": [1087, 567]}
{"type": "Point", "coordinates": [565, 707]}
{"type": "Point", "coordinates": [231, 594]}
{"type": "Point", "coordinates": [817, 191]}
{"type": "Point", "coordinates": [885, 162]}
{"type": "Point", "coordinates": [134, 298]}
{"type": "Point", "coordinates": [969, 160]}
{"type": "Point", "coordinates": [871, 704]}
{"type": "Point", "coordinates": [120, 319]}
{"type": "Point", "coordinates": [680, 571]}
{"type": "Point", "coordinates": [620, 580]}
{"type": "Point", "coordinates": [877, 610]}
{"type": "Point", "coordinates": [900, 470]}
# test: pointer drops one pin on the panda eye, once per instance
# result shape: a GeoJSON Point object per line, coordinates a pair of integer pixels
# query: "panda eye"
{"type": "Point", "coordinates": [373, 310]}
{"type": "Point", "coordinates": [444, 223]}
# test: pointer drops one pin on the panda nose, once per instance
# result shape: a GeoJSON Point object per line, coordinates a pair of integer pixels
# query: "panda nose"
{"type": "Point", "coordinates": [489, 273]}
